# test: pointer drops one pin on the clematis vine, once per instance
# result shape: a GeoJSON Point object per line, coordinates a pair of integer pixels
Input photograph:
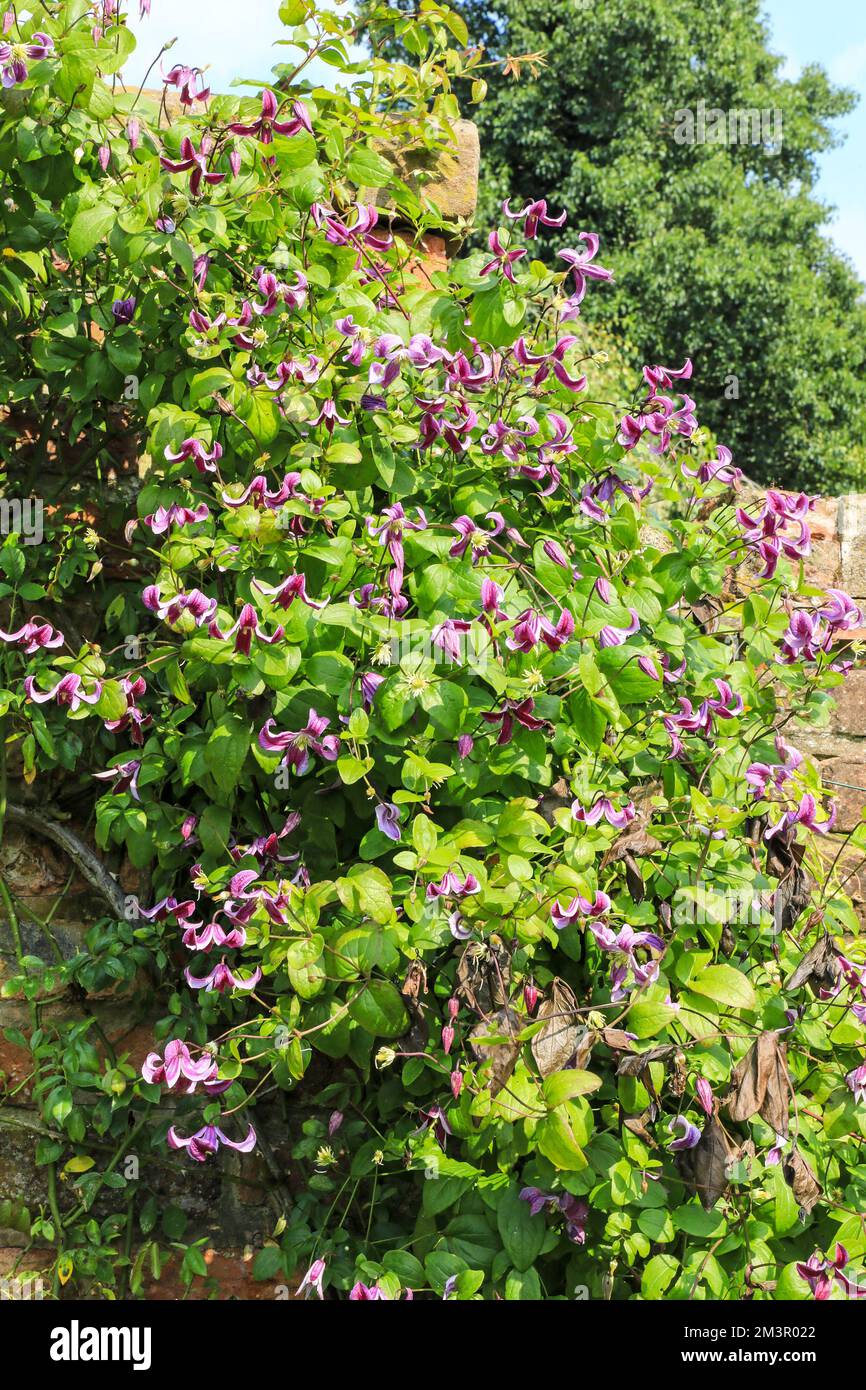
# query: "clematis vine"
{"type": "Point", "coordinates": [206, 1142]}
{"type": "Point", "coordinates": [296, 747]}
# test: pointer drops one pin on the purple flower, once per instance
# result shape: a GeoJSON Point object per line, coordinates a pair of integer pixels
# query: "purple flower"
{"type": "Point", "coordinates": [221, 979]}
{"type": "Point", "coordinates": [390, 531]}
{"type": "Point", "coordinates": [244, 630]}
{"type": "Point", "coordinates": [578, 910]}
{"type": "Point", "coordinates": [622, 946]}
{"type": "Point", "coordinates": [388, 819]}
{"type": "Point", "coordinates": [856, 1082]}
{"type": "Point", "coordinates": [186, 80]}
{"type": "Point", "coordinates": [704, 1093]}
{"type": "Point", "coordinates": [207, 1141]}
{"type": "Point", "coordinates": [611, 636]}
{"type": "Point", "coordinates": [297, 746]}
{"type": "Point", "coordinates": [176, 515]}
{"type": "Point", "coordinates": [581, 263]}
{"type": "Point", "coordinates": [470, 534]}
{"type": "Point", "coordinates": [284, 594]}
{"type": "Point", "coordinates": [123, 310]}
{"type": "Point", "coordinates": [33, 637]}
{"type": "Point", "coordinates": [177, 1066]}
{"type": "Point", "coordinates": [691, 1135]}
{"type": "Point", "coordinates": [806, 814]}
{"type": "Point", "coordinates": [721, 470]}
{"type": "Point", "coordinates": [365, 1293]}
{"type": "Point", "coordinates": [124, 776]}
{"type": "Point", "coordinates": [513, 712]}
{"type": "Point", "coordinates": [820, 1273]}
{"type": "Point", "coordinates": [452, 886]}
{"type": "Point", "coordinates": [194, 161]}
{"type": "Point", "coordinates": [312, 1280]}
{"type": "Point", "coordinates": [263, 129]}
{"type": "Point", "coordinates": [200, 608]}
{"type": "Point", "coordinates": [14, 57]}
{"type": "Point", "coordinates": [447, 637]}
{"type": "Point", "coordinates": [603, 808]}
{"type": "Point", "coordinates": [535, 214]}
{"type": "Point", "coordinates": [503, 259]}
{"type": "Point", "coordinates": [194, 449]}
{"type": "Point", "coordinates": [658, 377]}
{"type": "Point", "coordinates": [68, 692]}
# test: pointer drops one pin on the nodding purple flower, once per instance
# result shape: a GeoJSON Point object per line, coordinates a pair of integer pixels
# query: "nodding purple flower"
{"type": "Point", "coordinates": [561, 442]}
{"type": "Point", "coordinates": [760, 775]}
{"type": "Point", "coordinates": [436, 1119]}
{"type": "Point", "coordinates": [657, 378]}
{"type": "Point", "coordinates": [728, 705]}
{"type": "Point", "coordinates": [369, 685]}
{"type": "Point", "coordinates": [194, 449]}
{"type": "Point", "coordinates": [169, 907]}
{"type": "Point", "coordinates": [452, 886]}
{"type": "Point", "coordinates": [555, 553]}
{"type": "Point", "coordinates": [124, 310]}
{"type": "Point", "coordinates": [503, 258]}
{"type": "Point", "coordinates": [103, 154]}
{"type": "Point", "coordinates": [221, 979]}
{"type": "Point", "coordinates": [361, 234]}
{"type": "Point", "coordinates": [258, 494]}
{"type": "Point", "coordinates": [294, 586]}
{"type": "Point", "coordinates": [200, 267]}
{"type": "Point", "coordinates": [574, 1209]}
{"type": "Point", "coordinates": [856, 1082]}
{"type": "Point", "coordinates": [178, 1066]}
{"type": "Point", "coordinates": [124, 777]}
{"type": "Point", "coordinates": [200, 608]}
{"type": "Point", "coordinates": [196, 937]}
{"type": "Point", "coordinates": [704, 1092]}
{"type": "Point", "coordinates": [68, 692]}
{"type": "Point", "coordinates": [580, 263]}
{"type": "Point", "coordinates": [312, 1280]}
{"type": "Point", "coordinates": [296, 746]}
{"type": "Point", "coordinates": [514, 712]}
{"type": "Point", "coordinates": [458, 928]}
{"type": "Point", "coordinates": [201, 1145]}
{"type": "Point", "coordinates": [531, 627]}
{"type": "Point", "coordinates": [388, 818]}
{"type": "Point", "coordinates": [176, 515]}
{"type": "Point", "coordinates": [470, 534]}
{"type": "Point", "coordinates": [840, 612]}
{"type": "Point", "coordinates": [187, 82]}
{"type": "Point", "coordinates": [33, 637]}
{"type": "Point", "coordinates": [691, 1135]}
{"type": "Point", "coordinates": [806, 814]}
{"type": "Point", "coordinates": [465, 744]}
{"type": "Point", "coordinates": [579, 910]}
{"type": "Point", "coordinates": [244, 630]}
{"type": "Point", "coordinates": [274, 292]}
{"type": "Point", "coordinates": [330, 417]}
{"type": "Point", "coordinates": [366, 1293]}
{"type": "Point", "coordinates": [611, 636]}
{"type": "Point", "coordinates": [534, 214]}
{"type": "Point", "coordinates": [447, 637]}
{"type": "Point", "coordinates": [537, 1199]}
{"type": "Point", "coordinates": [390, 531]}
{"type": "Point", "coordinates": [603, 808]}
{"type": "Point", "coordinates": [263, 129]}
{"type": "Point", "coordinates": [621, 946]}
{"type": "Point", "coordinates": [195, 161]}
{"type": "Point", "coordinates": [14, 57]}
{"type": "Point", "coordinates": [167, 225]}
{"type": "Point", "coordinates": [805, 639]}
{"type": "Point", "coordinates": [719, 470]}
{"type": "Point", "coordinates": [770, 533]}
{"type": "Point", "coordinates": [821, 1273]}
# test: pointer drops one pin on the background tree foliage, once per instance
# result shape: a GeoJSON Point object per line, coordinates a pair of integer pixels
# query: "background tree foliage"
{"type": "Point", "coordinates": [718, 248]}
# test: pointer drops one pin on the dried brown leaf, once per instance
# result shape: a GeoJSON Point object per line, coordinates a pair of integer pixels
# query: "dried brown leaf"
{"type": "Point", "coordinates": [802, 1181]}
{"type": "Point", "coordinates": [501, 1056]}
{"type": "Point", "coordinates": [760, 1084]}
{"type": "Point", "coordinates": [554, 1045]}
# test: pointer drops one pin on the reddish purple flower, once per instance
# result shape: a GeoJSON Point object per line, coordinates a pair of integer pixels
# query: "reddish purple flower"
{"type": "Point", "coordinates": [704, 1093]}
{"type": "Point", "coordinates": [194, 449]}
{"type": "Point", "coordinates": [452, 886]}
{"type": "Point", "coordinates": [244, 630]}
{"type": "Point", "coordinates": [581, 263]}
{"type": "Point", "coordinates": [68, 692]}
{"type": "Point", "coordinates": [535, 214]}
{"type": "Point", "coordinates": [33, 637]}
{"type": "Point", "coordinates": [469, 533]}
{"type": "Point", "coordinates": [580, 909]}
{"type": "Point", "coordinates": [178, 1066]}
{"type": "Point", "coordinates": [206, 1141]}
{"type": "Point", "coordinates": [604, 809]}
{"type": "Point", "coordinates": [720, 470]}
{"type": "Point", "coordinates": [297, 746]}
{"type": "Point", "coordinates": [221, 979]}
{"type": "Point", "coordinates": [621, 946]}
{"type": "Point", "coordinates": [514, 712]}
{"type": "Point", "coordinates": [187, 82]}
{"type": "Point", "coordinates": [690, 1137]}
{"type": "Point", "coordinates": [195, 161]}
{"type": "Point", "coordinates": [200, 608]}
{"type": "Point", "coordinates": [447, 637]}
{"type": "Point", "coordinates": [657, 378]}
{"type": "Point", "coordinates": [821, 1273]}
{"type": "Point", "coordinates": [164, 518]}
{"type": "Point", "coordinates": [806, 814]}
{"type": "Point", "coordinates": [503, 258]}
{"type": "Point", "coordinates": [263, 129]}
{"type": "Point", "coordinates": [312, 1280]}
{"type": "Point", "coordinates": [124, 776]}
{"type": "Point", "coordinates": [15, 56]}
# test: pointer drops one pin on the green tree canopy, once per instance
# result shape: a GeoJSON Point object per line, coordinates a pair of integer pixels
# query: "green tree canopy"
{"type": "Point", "coordinates": [718, 248]}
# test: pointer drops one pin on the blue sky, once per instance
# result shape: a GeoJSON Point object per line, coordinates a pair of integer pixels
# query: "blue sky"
{"type": "Point", "coordinates": [832, 34]}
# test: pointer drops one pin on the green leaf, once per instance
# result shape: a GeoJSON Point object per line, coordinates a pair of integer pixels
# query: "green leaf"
{"type": "Point", "coordinates": [563, 1085]}
{"type": "Point", "coordinates": [379, 1009]}
{"type": "Point", "coordinates": [522, 1233]}
{"type": "Point", "coordinates": [555, 1139]}
{"type": "Point", "coordinates": [88, 228]}
{"type": "Point", "coordinates": [725, 985]}
{"type": "Point", "coordinates": [226, 751]}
